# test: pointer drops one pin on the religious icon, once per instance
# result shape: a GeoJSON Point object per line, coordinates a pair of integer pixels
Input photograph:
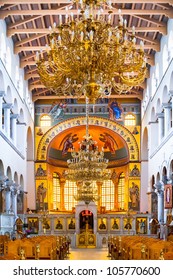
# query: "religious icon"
{"type": "Point", "coordinates": [168, 196]}
{"type": "Point", "coordinates": [141, 225]}
{"type": "Point", "coordinates": [59, 224]}
{"type": "Point", "coordinates": [71, 224]}
{"type": "Point", "coordinates": [102, 224]}
{"type": "Point", "coordinates": [33, 225]}
{"type": "Point", "coordinates": [115, 224]}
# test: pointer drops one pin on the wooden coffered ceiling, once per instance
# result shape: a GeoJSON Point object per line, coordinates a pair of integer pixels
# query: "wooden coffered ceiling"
{"type": "Point", "coordinates": [28, 23]}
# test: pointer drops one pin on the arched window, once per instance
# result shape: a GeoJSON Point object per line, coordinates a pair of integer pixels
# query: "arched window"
{"type": "Point", "coordinates": [70, 189]}
{"type": "Point", "coordinates": [45, 120]}
{"type": "Point", "coordinates": [107, 194]}
{"type": "Point", "coordinates": [56, 191]}
{"type": "Point", "coordinates": [121, 191]}
{"type": "Point", "coordinates": [130, 120]}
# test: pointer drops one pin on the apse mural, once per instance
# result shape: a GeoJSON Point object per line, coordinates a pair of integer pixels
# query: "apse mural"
{"type": "Point", "coordinates": [114, 146]}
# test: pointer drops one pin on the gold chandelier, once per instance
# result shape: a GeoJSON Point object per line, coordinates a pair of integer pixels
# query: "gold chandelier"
{"type": "Point", "coordinates": [88, 163]}
{"type": "Point", "coordinates": [86, 192]}
{"type": "Point", "coordinates": [89, 56]}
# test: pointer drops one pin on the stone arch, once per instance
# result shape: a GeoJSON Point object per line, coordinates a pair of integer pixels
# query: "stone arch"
{"type": "Point", "coordinates": [157, 177]}
{"type": "Point", "coordinates": [21, 116]}
{"type": "Point", "coordinates": [8, 95]}
{"type": "Point", "coordinates": [144, 152]}
{"type": "Point", "coordinates": [122, 131]}
{"type": "Point", "coordinates": [1, 168]}
{"type": "Point", "coordinates": [21, 181]}
{"type": "Point", "coordinates": [171, 82]}
{"type": "Point", "coordinates": [9, 173]}
{"type": "Point", "coordinates": [15, 106]}
{"type": "Point", "coordinates": [15, 177]}
{"type": "Point", "coordinates": [158, 106]}
{"type": "Point", "coordinates": [171, 170]}
{"type": "Point", "coordinates": [165, 96]}
{"type": "Point", "coordinates": [153, 115]}
{"type": "Point", "coordinates": [30, 148]}
{"type": "Point", "coordinates": [2, 87]}
{"type": "Point", "coordinates": [164, 174]}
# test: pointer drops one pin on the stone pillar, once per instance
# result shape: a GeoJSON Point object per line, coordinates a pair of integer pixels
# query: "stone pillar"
{"type": "Point", "coordinates": [99, 185]}
{"type": "Point", "coordinates": [8, 200]}
{"type": "Point", "coordinates": [161, 126]}
{"type": "Point", "coordinates": [14, 201]}
{"type": "Point", "coordinates": [13, 127]}
{"type": "Point", "coordinates": [167, 117]}
{"type": "Point", "coordinates": [62, 183]}
{"type": "Point", "coordinates": [7, 107]}
{"type": "Point", "coordinates": [1, 95]}
{"type": "Point", "coordinates": [160, 193]}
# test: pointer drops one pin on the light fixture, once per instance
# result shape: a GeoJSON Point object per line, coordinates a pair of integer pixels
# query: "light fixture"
{"type": "Point", "coordinates": [88, 163]}
{"type": "Point", "coordinates": [86, 192]}
{"type": "Point", "coordinates": [88, 56]}
{"type": "Point", "coordinates": [87, 166]}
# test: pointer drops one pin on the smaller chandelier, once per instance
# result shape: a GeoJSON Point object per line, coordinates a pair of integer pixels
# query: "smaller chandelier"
{"type": "Point", "coordinates": [86, 192]}
{"type": "Point", "coordinates": [89, 56]}
{"type": "Point", "coordinates": [88, 163]}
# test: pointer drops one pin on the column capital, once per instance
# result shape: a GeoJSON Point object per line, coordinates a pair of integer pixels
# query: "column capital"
{"type": "Point", "coordinates": [2, 93]}
{"type": "Point", "coordinates": [159, 188]}
{"type": "Point", "coordinates": [171, 93]}
{"type": "Point", "coordinates": [14, 116]}
{"type": "Point", "coordinates": [167, 105]}
{"type": "Point", "coordinates": [7, 105]}
{"type": "Point", "coordinates": [160, 115]}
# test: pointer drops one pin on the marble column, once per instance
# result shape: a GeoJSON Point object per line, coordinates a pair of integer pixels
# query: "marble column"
{"type": "Point", "coordinates": [14, 201]}
{"type": "Point", "coordinates": [167, 117]}
{"type": "Point", "coordinates": [8, 200]}
{"type": "Point", "coordinates": [13, 127]}
{"type": "Point", "coordinates": [7, 107]}
{"type": "Point", "coordinates": [161, 126]}
{"type": "Point", "coordinates": [62, 183]}
{"type": "Point", "coordinates": [1, 95]}
{"type": "Point", "coordinates": [160, 193]}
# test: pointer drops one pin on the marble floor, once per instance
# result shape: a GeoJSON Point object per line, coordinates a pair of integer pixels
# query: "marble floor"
{"type": "Point", "coordinates": [88, 254]}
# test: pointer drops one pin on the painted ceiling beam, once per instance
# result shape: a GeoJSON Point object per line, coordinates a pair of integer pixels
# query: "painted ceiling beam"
{"type": "Point", "coordinates": [17, 2]}
{"type": "Point", "coordinates": [4, 14]}
{"type": "Point", "coordinates": [45, 31]}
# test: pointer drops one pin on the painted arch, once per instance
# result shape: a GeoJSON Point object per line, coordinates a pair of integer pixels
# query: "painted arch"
{"type": "Point", "coordinates": [125, 144]}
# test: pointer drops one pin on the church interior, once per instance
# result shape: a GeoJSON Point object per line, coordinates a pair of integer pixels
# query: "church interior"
{"type": "Point", "coordinates": [86, 110]}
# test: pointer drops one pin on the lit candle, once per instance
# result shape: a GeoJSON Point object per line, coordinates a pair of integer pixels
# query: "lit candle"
{"type": "Point", "coordinates": [72, 17]}
{"type": "Point", "coordinates": [81, 36]}
{"type": "Point", "coordinates": [109, 18]}
{"type": "Point", "coordinates": [142, 44]}
{"type": "Point", "coordinates": [91, 35]}
{"type": "Point", "coordinates": [60, 19]}
{"type": "Point", "coordinates": [72, 36]}
{"type": "Point", "coordinates": [133, 30]}
{"type": "Point", "coordinates": [37, 56]}
{"type": "Point", "coordinates": [98, 17]}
